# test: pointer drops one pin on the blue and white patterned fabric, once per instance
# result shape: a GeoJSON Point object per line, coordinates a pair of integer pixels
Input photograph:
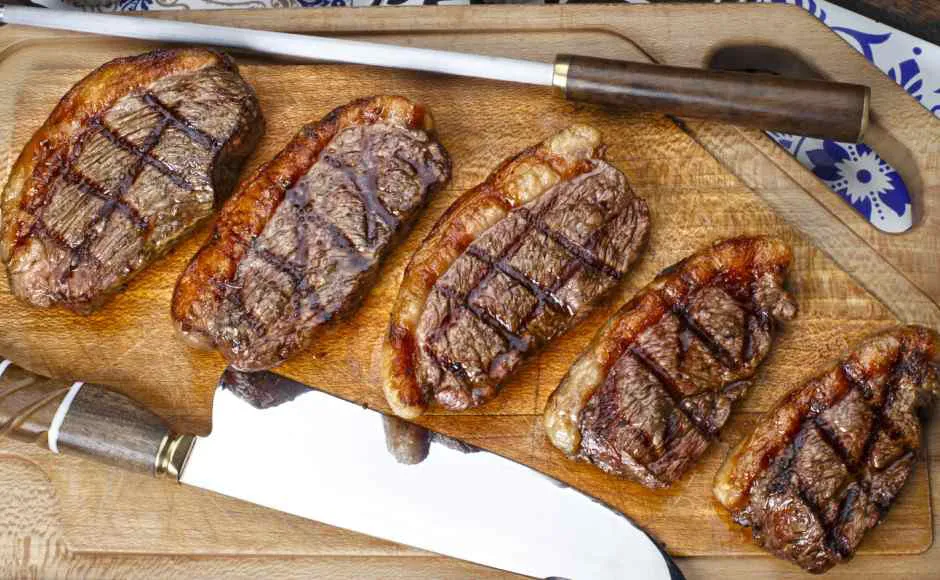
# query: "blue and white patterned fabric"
{"type": "Point", "coordinates": [854, 172]}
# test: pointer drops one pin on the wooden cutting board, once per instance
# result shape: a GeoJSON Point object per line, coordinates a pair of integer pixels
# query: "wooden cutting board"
{"type": "Point", "coordinates": [702, 181]}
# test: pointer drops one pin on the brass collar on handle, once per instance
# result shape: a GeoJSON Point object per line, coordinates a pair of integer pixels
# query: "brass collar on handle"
{"type": "Point", "coordinates": [866, 110]}
{"type": "Point", "coordinates": [560, 73]}
{"type": "Point", "coordinates": [172, 456]}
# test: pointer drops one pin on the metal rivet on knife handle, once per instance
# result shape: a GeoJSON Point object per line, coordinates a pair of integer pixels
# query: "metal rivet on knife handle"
{"type": "Point", "coordinates": [89, 420]}
{"type": "Point", "coordinates": [810, 107]}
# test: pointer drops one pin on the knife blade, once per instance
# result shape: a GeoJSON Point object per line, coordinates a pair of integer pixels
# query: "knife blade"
{"type": "Point", "coordinates": [305, 452]}
{"type": "Point", "coordinates": [839, 111]}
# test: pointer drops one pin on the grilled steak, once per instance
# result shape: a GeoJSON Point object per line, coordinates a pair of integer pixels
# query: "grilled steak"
{"type": "Point", "coordinates": [511, 265]}
{"type": "Point", "coordinates": [825, 465]}
{"type": "Point", "coordinates": [657, 383]}
{"type": "Point", "coordinates": [300, 242]}
{"type": "Point", "coordinates": [132, 158]}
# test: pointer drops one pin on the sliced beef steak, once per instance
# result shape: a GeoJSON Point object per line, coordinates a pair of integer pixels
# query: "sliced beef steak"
{"type": "Point", "coordinates": [658, 382]}
{"type": "Point", "coordinates": [300, 242]}
{"type": "Point", "coordinates": [825, 465]}
{"type": "Point", "coordinates": [130, 160]}
{"type": "Point", "coordinates": [510, 266]}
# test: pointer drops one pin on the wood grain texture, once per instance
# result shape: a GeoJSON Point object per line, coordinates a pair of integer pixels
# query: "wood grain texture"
{"type": "Point", "coordinates": [693, 198]}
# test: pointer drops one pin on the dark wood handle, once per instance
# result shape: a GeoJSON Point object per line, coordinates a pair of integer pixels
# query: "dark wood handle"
{"type": "Point", "coordinates": [814, 108]}
{"type": "Point", "coordinates": [95, 421]}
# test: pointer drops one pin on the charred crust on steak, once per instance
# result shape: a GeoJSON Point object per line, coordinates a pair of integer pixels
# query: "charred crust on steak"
{"type": "Point", "coordinates": [509, 266]}
{"type": "Point", "coordinates": [300, 242]}
{"type": "Point", "coordinates": [827, 462]}
{"type": "Point", "coordinates": [658, 381]}
{"type": "Point", "coordinates": [133, 157]}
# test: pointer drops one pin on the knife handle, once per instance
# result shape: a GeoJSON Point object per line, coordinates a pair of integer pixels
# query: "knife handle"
{"type": "Point", "coordinates": [89, 420]}
{"type": "Point", "coordinates": [810, 107]}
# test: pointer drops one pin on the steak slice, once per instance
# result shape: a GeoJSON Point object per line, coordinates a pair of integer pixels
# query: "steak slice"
{"type": "Point", "coordinates": [132, 159]}
{"type": "Point", "coordinates": [824, 466]}
{"type": "Point", "coordinates": [300, 242]}
{"type": "Point", "coordinates": [657, 383]}
{"type": "Point", "coordinates": [510, 266]}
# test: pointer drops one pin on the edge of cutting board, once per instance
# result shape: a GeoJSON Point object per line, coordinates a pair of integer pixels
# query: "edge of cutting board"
{"type": "Point", "coordinates": [739, 150]}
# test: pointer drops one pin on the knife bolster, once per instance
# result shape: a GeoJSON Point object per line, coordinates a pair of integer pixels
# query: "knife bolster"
{"type": "Point", "coordinates": [172, 456]}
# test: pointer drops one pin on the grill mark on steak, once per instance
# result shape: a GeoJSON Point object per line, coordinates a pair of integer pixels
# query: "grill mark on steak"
{"type": "Point", "coordinates": [583, 255]}
{"type": "Point", "coordinates": [116, 201]}
{"type": "Point", "coordinates": [464, 302]}
{"type": "Point", "coordinates": [669, 386]}
{"type": "Point", "coordinates": [303, 292]}
{"type": "Point", "coordinates": [830, 439]}
{"type": "Point", "coordinates": [425, 176]}
{"type": "Point", "coordinates": [181, 123]}
{"type": "Point", "coordinates": [725, 358]}
{"type": "Point", "coordinates": [879, 419]}
{"type": "Point", "coordinates": [796, 484]}
{"type": "Point", "coordinates": [143, 154]}
{"type": "Point", "coordinates": [42, 230]}
{"type": "Point", "coordinates": [89, 187]}
{"type": "Point", "coordinates": [337, 236]}
{"type": "Point", "coordinates": [540, 294]}
{"type": "Point", "coordinates": [367, 189]}
{"type": "Point", "coordinates": [833, 540]}
{"type": "Point", "coordinates": [293, 271]}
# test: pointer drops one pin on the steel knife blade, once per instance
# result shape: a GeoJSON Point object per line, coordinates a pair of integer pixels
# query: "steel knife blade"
{"type": "Point", "coordinates": [283, 445]}
{"type": "Point", "coordinates": [326, 459]}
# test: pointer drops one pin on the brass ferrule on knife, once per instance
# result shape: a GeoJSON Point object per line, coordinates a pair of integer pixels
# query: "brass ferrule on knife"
{"type": "Point", "coordinates": [560, 74]}
{"type": "Point", "coordinates": [172, 455]}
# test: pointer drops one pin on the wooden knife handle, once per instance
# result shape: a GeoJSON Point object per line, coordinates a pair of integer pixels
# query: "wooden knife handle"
{"type": "Point", "coordinates": [89, 420]}
{"type": "Point", "coordinates": [810, 107]}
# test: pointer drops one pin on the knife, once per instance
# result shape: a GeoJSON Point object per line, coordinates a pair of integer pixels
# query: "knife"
{"type": "Point", "coordinates": [839, 111]}
{"type": "Point", "coordinates": [282, 445]}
